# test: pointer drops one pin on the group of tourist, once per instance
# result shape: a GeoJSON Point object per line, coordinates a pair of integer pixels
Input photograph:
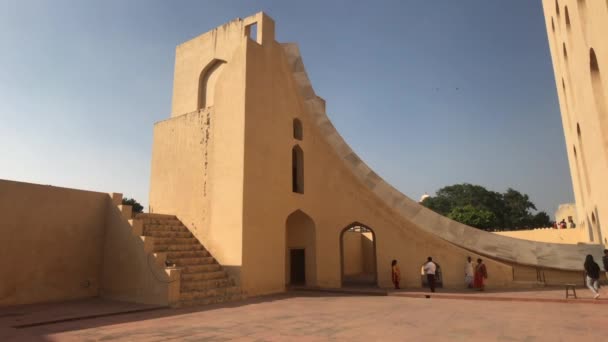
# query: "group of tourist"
{"type": "Point", "coordinates": [563, 225]}
{"type": "Point", "coordinates": [474, 275]}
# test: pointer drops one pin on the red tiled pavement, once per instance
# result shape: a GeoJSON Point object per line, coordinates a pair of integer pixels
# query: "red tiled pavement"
{"type": "Point", "coordinates": [540, 295]}
{"type": "Point", "coordinates": [319, 317]}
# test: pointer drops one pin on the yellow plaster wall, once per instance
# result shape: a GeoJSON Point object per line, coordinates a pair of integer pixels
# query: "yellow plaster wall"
{"type": "Point", "coordinates": [332, 197]}
{"type": "Point", "coordinates": [129, 272]}
{"type": "Point", "coordinates": [583, 104]}
{"type": "Point", "coordinates": [367, 252]}
{"type": "Point", "coordinates": [64, 244]}
{"type": "Point", "coordinates": [198, 154]}
{"type": "Point", "coordinates": [53, 243]}
{"type": "Point", "coordinates": [353, 253]}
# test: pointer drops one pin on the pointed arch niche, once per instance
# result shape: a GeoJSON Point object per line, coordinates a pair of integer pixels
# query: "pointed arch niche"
{"type": "Point", "coordinates": [206, 83]}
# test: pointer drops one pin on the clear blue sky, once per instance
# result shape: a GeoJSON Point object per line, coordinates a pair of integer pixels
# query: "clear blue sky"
{"type": "Point", "coordinates": [82, 83]}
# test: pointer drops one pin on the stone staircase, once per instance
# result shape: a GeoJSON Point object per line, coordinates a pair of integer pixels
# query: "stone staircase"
{"type": "Point", "coordinates": [202, 278]}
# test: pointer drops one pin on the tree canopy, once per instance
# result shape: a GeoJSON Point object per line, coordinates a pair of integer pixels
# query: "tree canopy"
{"type": "Point", "coordinates": [479, 207]}
{"type": "Point", "coordinates": [136, 207]}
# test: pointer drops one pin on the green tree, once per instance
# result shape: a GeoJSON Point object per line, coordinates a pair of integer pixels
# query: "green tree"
{"type": "Point", "coordinates": [473, 216]}
{"type": "Point", "coordinates": [137, 208]}
{"type": "Point", "coordinates": [460, 195]}
{"type": "Point", "coordinates": [517, 209]}
{"type": "Point", "coordinates": [472, 205]}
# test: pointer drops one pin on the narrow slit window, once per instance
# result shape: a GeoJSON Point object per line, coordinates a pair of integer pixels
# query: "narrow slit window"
{"type": "Point", "coordinates": [297, 129]}
{"type": "Point", "coordinates": [297, 168]}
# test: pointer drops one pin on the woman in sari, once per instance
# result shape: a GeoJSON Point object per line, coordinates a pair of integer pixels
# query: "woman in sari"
{"type": "Point", "coordinates": [481, 274]}
{"type": "Point", "coordinates": [396, 274]}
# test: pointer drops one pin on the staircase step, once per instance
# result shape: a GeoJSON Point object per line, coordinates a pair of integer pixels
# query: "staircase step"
{"type": "Point", "coordinates": [175, 241]}
{"type": "Point", "coordinates": [187, 254]}
{"type": "Point", "coordinates": [168, 234]}
{"type": "Point", "coordinates": [156, 216]}
{"type": "Point", "coordinates": [178, 247]}
{"type": "Point", "coordinates": [214, 292]}
{"type": "Point", "coordinates": [211, 300]}
{"type": "Point", "coordinates": [192, 261]}
{"type": "Point", "coordinates": [201, 268]}
{"type": "Point", "coordinates": [203, 281]}
{"type": "Point", "coordinates": [203, 275]}
{"type": "Point", "coordinates": [198, 285]}
{"type": "Point", "coordinates": [175, 222]}
{"type": "Point", "coordinates": [165, 228]}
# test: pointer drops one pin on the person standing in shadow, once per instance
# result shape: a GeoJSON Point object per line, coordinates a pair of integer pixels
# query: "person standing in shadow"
{"type": "Point", "coordinates": [481, 274]}
{"type": "Point", "coordinates": [396, 274]}
{"type": "Point", "coordinates": [429, 269]}
{"type": "Point", "coordinates": [469, 273]}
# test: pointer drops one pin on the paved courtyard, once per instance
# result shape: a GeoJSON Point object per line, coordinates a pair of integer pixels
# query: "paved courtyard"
{"type": "Point", "coordinates": [320, 317]}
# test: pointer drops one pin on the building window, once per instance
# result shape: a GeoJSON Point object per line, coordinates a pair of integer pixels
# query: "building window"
{"type": "Point", "coordinates": [297, 168]}
{"type": "Point", "coordinates": [297, 129]}
{"type": "Point", "coordinates": [251, 31]}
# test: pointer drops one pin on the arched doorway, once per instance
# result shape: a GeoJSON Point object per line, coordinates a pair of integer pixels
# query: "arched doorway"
{"type": "Point", "coordinates": [300, 254]}
{"type": "Point", "coordinates": [358, 256]}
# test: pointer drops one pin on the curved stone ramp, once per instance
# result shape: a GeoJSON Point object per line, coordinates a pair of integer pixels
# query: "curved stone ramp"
{"type": "Point", "coordinates": [524, 252]}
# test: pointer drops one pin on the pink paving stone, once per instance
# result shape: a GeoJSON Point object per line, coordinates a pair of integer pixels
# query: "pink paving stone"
{"type": "Point", "coordinates": [322, 317]}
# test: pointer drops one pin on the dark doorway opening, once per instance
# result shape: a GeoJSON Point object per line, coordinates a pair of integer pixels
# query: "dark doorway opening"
{"type": "Point", "coordinates": [297, 259]}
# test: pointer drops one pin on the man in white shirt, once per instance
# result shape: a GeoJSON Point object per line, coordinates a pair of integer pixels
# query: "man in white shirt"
{"type": "Point", "coordinates": [429, 270]}
{"type": "Point", "coordinates": [469, 273]}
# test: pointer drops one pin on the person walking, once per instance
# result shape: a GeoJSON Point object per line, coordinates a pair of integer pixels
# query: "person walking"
{"type": "Point", "coordinates": [605, 262]}
{"type": "Point", "coordinates": [592, 272]}
{"type": "Point", "coordinates": [481, 273]}
{"type": "Point", "coordinates": [396, 274]}
{"type": "Point", "coordinates": [469, 273]}
{"type": "Point", "coordinates": [429, 269]}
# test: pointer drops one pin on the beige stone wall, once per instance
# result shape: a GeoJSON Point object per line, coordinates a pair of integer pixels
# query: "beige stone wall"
{"type": "Point", "coordinates": [332, 197]}
{"type": "Point", "coordinates": [53, 243]}
{"type": "Point", "coordinates": [353, 253]}
{"type": "Point", "coordinates": [198, 154]}
{"type": "Point", "coordinates": [64, 244]}
{"type": "Point", "coordinates": [367, 253]}
{"type": "Point", "coordinates": [569, 235]}
{"type": "Point", "coordinates": [129, 272]}
{"type": "Point", "coordinates": [358, 249]}
{"type": "Point", "coordinates": [575, 28]}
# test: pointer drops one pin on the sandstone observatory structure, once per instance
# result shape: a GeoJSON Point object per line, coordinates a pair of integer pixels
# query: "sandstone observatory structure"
{"type": "Point", "coordinates": [577, 31]}
{"type": "Point", "coordinates": [251, 163]}
{"type": "Point", "coordinates": [252, 190]}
